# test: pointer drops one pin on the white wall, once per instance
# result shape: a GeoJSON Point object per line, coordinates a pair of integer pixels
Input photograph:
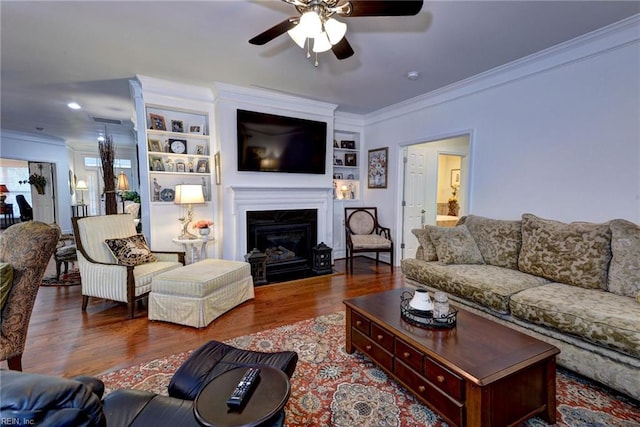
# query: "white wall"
{"type": "Point", "coordinates": [556, 134]}
{"type": "Point", "coordinates": [21, 146]}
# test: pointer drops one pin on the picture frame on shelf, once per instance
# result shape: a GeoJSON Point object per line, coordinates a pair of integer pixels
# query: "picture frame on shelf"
{"type": "Point", "coordinates": [177, 126]}
{"type": "Point", "coordinates": [157, 122]}
{"type": "Point", "coordinates": [203, 166]}
{"type": "Point", "coordinates": [201, 150]}
{"type": "Point", "coordinates": [351, 176]}
{"type": "Point", "coordinates": [335, 144]}
{"type": "Point", "coordinates": [337, 175]}
{"type": "Point", "coordinates": [155, 164]}
{"type": "Point", "coordinates": [180, 166]}
{"type": "Point", "coordinates": [348, 144]}
{"type": "Point", "coordinates": [196, 129]}
{"type": "Point", "coordinates": [377, 168]}
{"type": "Point", "coordinates": [154, 145]}
{"type": "Point", "coordinates": [337, 162]}
{"type": "Point", "coordinates": [216, 161]}
{"type": "Point", "coordinates": [350, 159]}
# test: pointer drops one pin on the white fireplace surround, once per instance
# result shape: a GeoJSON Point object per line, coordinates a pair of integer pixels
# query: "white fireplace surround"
{"type": "Point", "coordinates": [280, 198]}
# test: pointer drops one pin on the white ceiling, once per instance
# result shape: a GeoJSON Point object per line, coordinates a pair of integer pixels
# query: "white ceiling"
{"type": "Point", "coordinates": [54, 52]}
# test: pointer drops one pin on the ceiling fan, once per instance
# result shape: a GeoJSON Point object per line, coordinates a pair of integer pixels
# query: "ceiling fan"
{"type": "Point", "coordinates": [317, 23]}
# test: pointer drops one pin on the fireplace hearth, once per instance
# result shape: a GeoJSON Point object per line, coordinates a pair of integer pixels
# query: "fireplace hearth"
{"type": "Point", "coordinates": [287, 238]}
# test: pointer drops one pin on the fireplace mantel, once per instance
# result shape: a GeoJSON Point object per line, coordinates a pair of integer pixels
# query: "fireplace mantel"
{"type": "Point", "coordinates": [253, 198]}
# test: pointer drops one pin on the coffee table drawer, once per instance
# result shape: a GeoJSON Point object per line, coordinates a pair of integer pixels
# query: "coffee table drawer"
{"type": "Point", "coordinates": [444, 379]}
{"type": "Point", "coordinates": [409, 355]}
{"type": "Point", "coordinates": [447, 407]}
{"type": "Point", "coordinates": [373, 350]}
{"type": "Point", "coordinates": [382, 337]}
{"type": "Point", "coordinates": [361, 323]}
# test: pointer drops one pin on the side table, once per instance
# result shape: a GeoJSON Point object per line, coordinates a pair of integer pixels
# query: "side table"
{"type": "Point", "coordinates": [189, 247]}
{"type": "Point", "coordinates": [7, 212]}
{"type": "Point", "coordinates": [266, 400]}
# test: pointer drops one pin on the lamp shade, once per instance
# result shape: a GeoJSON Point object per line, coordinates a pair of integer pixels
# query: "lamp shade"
{"type": "Point", "coordinates": [321, 43]}
{"type": "Point", "coordinates": [4, 189]}
{"type": "Point", "coordinates": [186, 194]}
{"type": "Point", "coordinates": [335, 30]}
{"type": "Point", "coordinates": [81, 185]}
{"type": "Point", "coordinates": [311, 23]}
{"type": "Point", "coordinates": [123, 182]}
{"type": "Point", "coordinates": [298, 35]}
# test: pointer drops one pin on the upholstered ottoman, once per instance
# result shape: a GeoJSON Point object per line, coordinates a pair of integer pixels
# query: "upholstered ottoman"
{"type": "Point", "coordinates": [198, 293]}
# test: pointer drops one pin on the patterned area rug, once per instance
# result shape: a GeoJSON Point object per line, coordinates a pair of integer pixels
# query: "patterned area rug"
{"type": "Point", "coordinates": [333, 388]}
{"type": "Point", "coordinates": [72, 278]}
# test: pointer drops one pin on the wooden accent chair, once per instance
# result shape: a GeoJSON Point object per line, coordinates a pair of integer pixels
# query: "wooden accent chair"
{"type": "Point", "coordinates": [365, 234]}
{"type": "Point", "coordinates": [27, 248]}
{"type": "Point", "coordinates": [101, 274]}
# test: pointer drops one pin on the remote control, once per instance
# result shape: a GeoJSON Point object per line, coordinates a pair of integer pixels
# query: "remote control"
{"type": "Point", "coordinates": [243, 388]}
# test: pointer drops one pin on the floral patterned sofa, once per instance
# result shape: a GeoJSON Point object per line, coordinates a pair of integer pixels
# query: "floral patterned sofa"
{"type": "Point", "coordinates": [576, 286]}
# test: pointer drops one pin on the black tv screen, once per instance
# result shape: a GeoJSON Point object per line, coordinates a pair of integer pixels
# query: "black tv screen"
{"type": "Point", "coordinates": [270, 143]}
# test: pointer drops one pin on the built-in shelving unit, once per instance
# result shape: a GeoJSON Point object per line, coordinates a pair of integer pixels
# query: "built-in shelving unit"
{"type": "Point", "coordinates": [346, 166]}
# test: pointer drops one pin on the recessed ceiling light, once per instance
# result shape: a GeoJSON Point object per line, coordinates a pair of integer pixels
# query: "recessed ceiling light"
{"type": "Point", "coordinates": [74, 106]}
{"type": "Point", "coordinates": [101, 138]}
{"type": "Point", "coordinates": [413, 75]}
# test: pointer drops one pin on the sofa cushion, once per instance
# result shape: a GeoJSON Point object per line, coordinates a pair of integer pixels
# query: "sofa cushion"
{"type": "Point", "coordinates": [428, 252]}
{"type": "Point", "coordinates": [499, 240]}
{"type": "Point", "coordinates": [624, 270]}
{"type": "Point", "coordinates": [576, 254]}
{"type": "Point", "coordinates": [594, 315]}
{"type": "Point", "coordinates": [487, 285]}
{"type": "Point", "coordinates": [132, 250]}
{"type": "Point", "coordinates": [454, 245]}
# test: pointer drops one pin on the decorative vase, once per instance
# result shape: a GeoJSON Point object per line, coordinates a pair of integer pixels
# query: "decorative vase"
{"type": "Point", "coordinates": [453, 208]}
{"type": "Point", "coordinates": [204, 231]}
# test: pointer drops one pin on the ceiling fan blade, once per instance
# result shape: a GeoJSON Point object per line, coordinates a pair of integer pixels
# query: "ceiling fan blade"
{"type": "Point", "coordinates": [342, 49]}
{"type": "Point", "coordinates": [275, 31]}
{"type": "Point", "coordinates": [385, 7]}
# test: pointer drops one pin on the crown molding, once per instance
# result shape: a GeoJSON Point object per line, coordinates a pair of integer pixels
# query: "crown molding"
{"type": "Point", "coordinates": [614, 36]}
{"type": "Point", "coordinates": [40, 139]}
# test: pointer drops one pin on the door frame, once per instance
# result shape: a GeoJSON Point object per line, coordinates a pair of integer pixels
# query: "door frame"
{"type": "Point", "coordinates": [465, 198]}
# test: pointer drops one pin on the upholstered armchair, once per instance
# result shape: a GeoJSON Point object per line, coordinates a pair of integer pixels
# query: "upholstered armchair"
{"type": "Point", "coordinates": [365, 234]}
{"type": "Point", "coordinates": [26, 248]}
{"type": "Point", "coordinates": [126, 278]}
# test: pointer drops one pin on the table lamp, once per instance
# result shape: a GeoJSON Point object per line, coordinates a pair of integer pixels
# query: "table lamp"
{"type": "Point", "coordinates": [123, 185]}
{"type": "Point", "coordinates": [81, 186]}
{"type": "Point", "coordinates": [3, 196]}
{"type": "Point", "coordinates": [187, 194]}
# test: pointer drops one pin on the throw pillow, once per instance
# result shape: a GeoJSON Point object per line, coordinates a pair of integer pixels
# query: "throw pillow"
{"type": "Point", "coordinates": [624, 270]}
{"type": "Point", "coordinates": [6, 281]}
{"type": "Point", "coordinates": [131, 250]}
{"type": "Point", "coordinates": [455, 245]}
{"type": "Point", "coordinates": [575, 254]}
{"type": "Point", "coordinates": [499, 240]}
{"type": "Point", "coordinates": [428, 250]}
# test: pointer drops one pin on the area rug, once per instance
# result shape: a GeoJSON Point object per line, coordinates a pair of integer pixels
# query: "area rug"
{"type": "Point", "coordinates": [72, 278]}
{"type": "Point", "coordinates": [333, 388]}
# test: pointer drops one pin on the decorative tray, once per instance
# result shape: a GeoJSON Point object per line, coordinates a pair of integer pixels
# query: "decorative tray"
{"type": "Point", "coordinates": [424, 319]}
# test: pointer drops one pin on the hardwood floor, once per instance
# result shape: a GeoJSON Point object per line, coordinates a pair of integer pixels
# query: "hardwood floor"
{"type": "Point", "coordinates": [65, 341]}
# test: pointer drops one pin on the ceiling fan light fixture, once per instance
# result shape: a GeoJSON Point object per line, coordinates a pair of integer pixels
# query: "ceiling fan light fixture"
{"type": "Point", "coordinates": [298, 35]}
{"type": "Point", "coordinates": [321, 43]}
{"type": "Point", "coordinates": [311, 24]}
{"type": "Point", "coordinates": [335, 30]}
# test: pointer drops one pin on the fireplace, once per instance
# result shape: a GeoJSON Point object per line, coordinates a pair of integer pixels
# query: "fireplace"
{"type": "Point", "coordinates": [287, 238]}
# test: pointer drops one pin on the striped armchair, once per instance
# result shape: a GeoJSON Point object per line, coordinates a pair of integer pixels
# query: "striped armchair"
{"type": "Point", "coordinates": [101, 274]}
{"type": "Point", "coordinates": [26, 248]}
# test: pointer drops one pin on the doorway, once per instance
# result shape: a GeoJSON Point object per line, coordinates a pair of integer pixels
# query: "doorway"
{"type": "Point", "coordinates": [433, 171]}
{"type": "Point", "coordinates": [44, 202]}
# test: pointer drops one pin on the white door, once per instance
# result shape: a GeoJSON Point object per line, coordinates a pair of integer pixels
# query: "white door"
{"type": "Point", "coordinates": [419, 178]}
{"type": "Point", "coordinates": [44, 204]}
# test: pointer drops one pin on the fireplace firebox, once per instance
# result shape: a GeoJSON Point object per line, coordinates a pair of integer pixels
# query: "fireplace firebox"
{"type": "Point", "coordinates": [287, 238]}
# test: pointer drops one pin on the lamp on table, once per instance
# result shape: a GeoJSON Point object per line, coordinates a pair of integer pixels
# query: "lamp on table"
{"type": "Point", "coordinates": [3, 196]}
{"type": "Point", "coordinates": [81, 186]}
{"type": "Point", "coordinates": [187, 194]}
{"type": "Point", "coordinates": [123, 185]}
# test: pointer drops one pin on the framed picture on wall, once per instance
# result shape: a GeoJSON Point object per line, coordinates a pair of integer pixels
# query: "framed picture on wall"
{"type": "Point", "coordinates": [377, 168]}
{"type": "Point", "coordinates": [455, 177]}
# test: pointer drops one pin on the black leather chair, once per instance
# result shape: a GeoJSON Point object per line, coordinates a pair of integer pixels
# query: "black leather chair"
{"type": "Point", "coordinates": [44, 400]}
{"type": "Point", "coordinates": [26, 213]}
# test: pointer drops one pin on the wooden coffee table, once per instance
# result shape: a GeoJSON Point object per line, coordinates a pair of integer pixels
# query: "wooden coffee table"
{"type": "Point", "coordinates": [268, 397]}
{"type": "Point", "coordinates": [479, 373]}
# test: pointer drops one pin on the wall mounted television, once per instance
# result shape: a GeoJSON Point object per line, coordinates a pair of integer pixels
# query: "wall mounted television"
{"type": "Point", "coordinates": [270, 143]}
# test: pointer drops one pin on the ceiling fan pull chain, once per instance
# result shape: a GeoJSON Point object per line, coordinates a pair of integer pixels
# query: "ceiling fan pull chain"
{"type": "Point", "coordinates": [308, 47]}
